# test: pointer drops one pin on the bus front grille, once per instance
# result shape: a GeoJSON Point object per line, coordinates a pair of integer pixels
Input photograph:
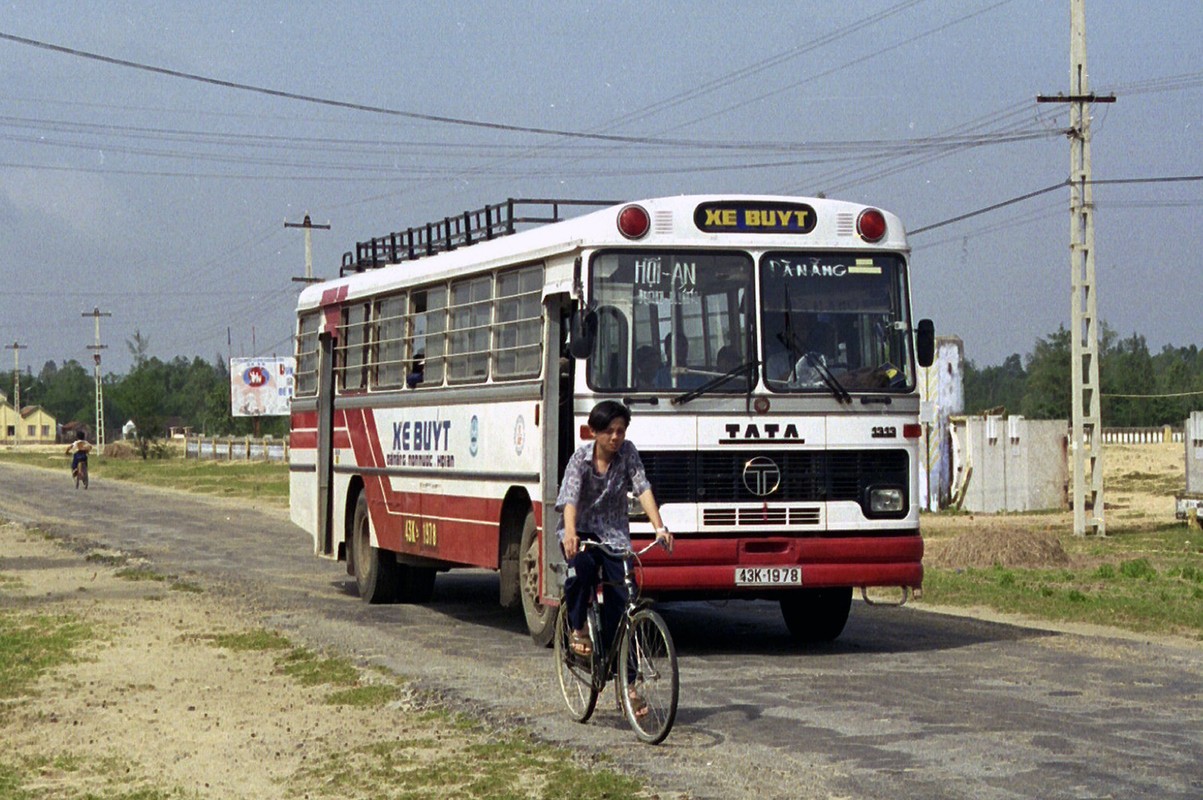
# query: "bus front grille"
{"type": "Point", "coordinates": [806, 476]}
{"type": "Point", "coordinates": [777, 516]}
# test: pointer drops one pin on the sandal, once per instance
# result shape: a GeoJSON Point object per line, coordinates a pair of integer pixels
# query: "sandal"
{"type": "Point", "coordinates": [580, 644]}
{"type": "Point", "coordinates": [638, 704]}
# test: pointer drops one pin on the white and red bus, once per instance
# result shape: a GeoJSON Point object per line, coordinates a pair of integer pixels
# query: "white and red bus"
{"type": "Point", "coordinates": [764, 344]}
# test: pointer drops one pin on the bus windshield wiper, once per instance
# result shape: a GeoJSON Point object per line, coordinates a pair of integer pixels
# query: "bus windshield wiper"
{"type": "Point", "coordinates": [828, 377]}
{"type": "Point", "coordinates": [714, 383]}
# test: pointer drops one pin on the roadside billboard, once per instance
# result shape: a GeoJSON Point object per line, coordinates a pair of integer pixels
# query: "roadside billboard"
{"type": "Point", "coordinates": [261, 387]}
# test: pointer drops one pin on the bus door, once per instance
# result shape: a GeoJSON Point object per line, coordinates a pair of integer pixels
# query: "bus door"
{"type": "Point", "coordinates": [558, 435]}
{"type": "Point", "coordinates": [325, 439]}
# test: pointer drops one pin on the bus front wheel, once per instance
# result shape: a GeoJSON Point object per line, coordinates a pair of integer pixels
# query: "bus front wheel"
{"type": "Point", "coordinates": [540, 619]}
{"type": "Point", "coordinates": [817, 615]}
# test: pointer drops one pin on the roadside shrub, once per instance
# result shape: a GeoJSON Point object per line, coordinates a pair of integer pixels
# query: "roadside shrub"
{"type": "Point", "coordinates": [1138, 569]}
{"type": "Point", "coordinates": [1190, 573]}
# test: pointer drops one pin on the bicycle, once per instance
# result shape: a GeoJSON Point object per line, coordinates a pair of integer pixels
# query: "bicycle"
{"type": "Point", "coordinates": [647, 685]}
{"type": "Point", "coordinates": [80, 473]}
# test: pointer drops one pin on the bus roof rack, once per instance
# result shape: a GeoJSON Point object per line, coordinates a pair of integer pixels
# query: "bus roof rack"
{"type": "Point", "coordinates": [449, 233]}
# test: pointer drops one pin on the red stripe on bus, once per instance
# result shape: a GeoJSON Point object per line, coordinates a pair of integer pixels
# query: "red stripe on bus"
{"type": "Point", "coordinates": [302, 440]}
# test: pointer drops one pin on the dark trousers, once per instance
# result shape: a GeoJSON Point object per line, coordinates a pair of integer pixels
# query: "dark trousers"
{"type": "Point", "coordinates": [581, 587]}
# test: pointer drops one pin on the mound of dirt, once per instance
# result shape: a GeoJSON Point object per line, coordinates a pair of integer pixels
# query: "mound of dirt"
{"type": "Point", "coordinates": [997, 546]}
{"type": "Point", "coordinates": [121, 450]}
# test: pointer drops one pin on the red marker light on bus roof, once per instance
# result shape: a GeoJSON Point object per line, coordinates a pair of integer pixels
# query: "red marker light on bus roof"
{"type": "Point", "coordinates": [633, 222]}
{"type": "Point", "coordinates": [871, 225]}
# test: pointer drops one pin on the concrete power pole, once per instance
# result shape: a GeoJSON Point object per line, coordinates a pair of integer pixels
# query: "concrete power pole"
{"type": "Point", "coordinates": [308, 226]}
{"type": "Point", "coordinates": [16, 348]}
{"type": "Point", "coordinates": [96, 313]}
{"type": "Point", "coordinates": [1086, 438]}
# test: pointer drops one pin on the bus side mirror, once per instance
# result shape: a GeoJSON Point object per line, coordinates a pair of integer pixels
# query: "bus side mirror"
{"type": "Point", "coordinates": [925, 343]}
{"type": "Point", "coordinates": [582, 331]}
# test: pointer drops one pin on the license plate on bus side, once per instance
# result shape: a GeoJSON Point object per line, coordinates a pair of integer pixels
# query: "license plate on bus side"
{"type": "Point", "coordinates": [768, 576]}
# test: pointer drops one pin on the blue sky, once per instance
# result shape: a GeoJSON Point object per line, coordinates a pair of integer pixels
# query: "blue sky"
{"type": "Point", "coordinates": [162, 200]}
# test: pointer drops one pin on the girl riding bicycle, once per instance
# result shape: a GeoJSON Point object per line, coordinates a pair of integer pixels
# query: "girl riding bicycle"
{"type": "Point", "coordinates": [593, 505]}
{"type": "Point", "coordinates": [78, 450]}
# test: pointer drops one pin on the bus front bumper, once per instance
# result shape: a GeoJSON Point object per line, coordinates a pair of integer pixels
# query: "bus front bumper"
{"type": "Point", "coordinates": [709, 567]}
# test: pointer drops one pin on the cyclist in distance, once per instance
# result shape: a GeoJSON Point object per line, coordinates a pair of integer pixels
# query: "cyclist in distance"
{"type": "Point", "coordinates": [593, 506]}
{"type": "Point", "coordinates": [78, 450]}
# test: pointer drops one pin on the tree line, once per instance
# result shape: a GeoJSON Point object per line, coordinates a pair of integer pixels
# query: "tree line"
{"type": "Point", "coordinates": [1170, 382]}
{"type": "Point", "coordinates": [154, 395]}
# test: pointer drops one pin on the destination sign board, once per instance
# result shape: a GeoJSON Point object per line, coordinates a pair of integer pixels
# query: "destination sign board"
{"type": "Point", "coordinates": [749, 216]}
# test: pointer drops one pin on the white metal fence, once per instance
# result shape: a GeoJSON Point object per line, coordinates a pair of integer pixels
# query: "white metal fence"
{"type": "Point", "coordinates": [225, 448]}
{"type": "Point", "coordinates": [1142, 435]}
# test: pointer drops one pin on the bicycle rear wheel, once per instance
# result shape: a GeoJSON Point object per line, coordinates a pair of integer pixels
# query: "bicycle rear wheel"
{"type": "Point", "coordinates": [647, 676]}
{"type": "Point", "coordinates": [574, 672]}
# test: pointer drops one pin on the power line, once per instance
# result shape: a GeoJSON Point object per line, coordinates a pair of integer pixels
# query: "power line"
{"type": "Point", "coordinates": [1046, 190]}
{"type": "Point", "coordinates": [457, 121]}
{"type": "Point", "coordinates": [1150, 396]}
{"type": "Point", "coordinates": [990, 208]}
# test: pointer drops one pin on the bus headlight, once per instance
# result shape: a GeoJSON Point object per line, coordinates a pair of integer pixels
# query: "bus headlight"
{"type": "Point", "coordinates": [886, 501]}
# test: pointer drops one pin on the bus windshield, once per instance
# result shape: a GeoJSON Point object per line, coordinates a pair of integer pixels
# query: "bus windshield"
{"type": "Point", "coordinates": [835, 322]}
{"type": "Point", "coordinates": [670, 320]}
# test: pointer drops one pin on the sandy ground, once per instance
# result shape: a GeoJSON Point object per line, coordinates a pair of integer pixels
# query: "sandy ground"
{"type": "Point", "coordinates": [153, 704]}
{"type": "Point", "coordinates": [1139, 486]}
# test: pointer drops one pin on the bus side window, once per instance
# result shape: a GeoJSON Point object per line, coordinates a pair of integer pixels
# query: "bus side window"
{"type": "Point", "coordinates": [352, 346]}
{"type": "Point", "coordinates": [608, 367]}
{"type": "Point", "coordinates": [426, 341]}
{"type": "Point", "coordinates": [518, 324]}
{"type": "Point", "coordinates": [470, 310]}
{"type": "Point", "coordinates": [307, 356]}
{"type": "Point", "coordinates": [387, 368]}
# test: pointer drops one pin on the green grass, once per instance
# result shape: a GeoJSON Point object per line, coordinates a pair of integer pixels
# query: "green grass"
{"type": "Point", "coordinates": [506, 767]}
{"type": "Point", "coordinates": [1145, 578]}
{"type": "Point", "coordinates": [267, 481]}
{"type": "Point", "coordinates": [145, 573]}
{"type": "Point", "coordinates": [32, 644]}
{"type": "Point", "coordinates": [106, 778]}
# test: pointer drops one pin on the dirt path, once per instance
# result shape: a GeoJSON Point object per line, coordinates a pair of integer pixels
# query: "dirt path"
{"type": "Point", "coordinates": [156, 706]}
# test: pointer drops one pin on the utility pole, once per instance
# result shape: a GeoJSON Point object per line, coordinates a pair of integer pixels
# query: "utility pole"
{"type": "Point", "coordinates": [16, 348]}
{"type": "Point", "coordinates": [1086, 437]}
{"type": "Point", "coordinates": [308, 226]}
{"type": "Point", "coordinates": [96, 313]}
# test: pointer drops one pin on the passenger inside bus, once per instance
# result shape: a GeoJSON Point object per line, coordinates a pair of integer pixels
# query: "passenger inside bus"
{"type": "Point", "coordinates": [664, 376]}
{"type": "Point", "coordinates": [727, 359]}
{"type": "Point", "coordinates": [647, 365]}
{"type": "Point", "coordinates": [415, 375]}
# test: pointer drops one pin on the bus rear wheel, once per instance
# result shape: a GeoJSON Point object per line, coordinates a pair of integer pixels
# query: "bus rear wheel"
{"type": "Point", "coordinates": [377, 573]}
{"type": "Point", "coordinates": [540, 619]}
{"type": "Point", "coordinates": [817, 615]}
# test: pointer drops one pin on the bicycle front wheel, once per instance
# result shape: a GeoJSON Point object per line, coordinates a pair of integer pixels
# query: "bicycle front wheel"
{"type": "Point", "coordinates": [574, 672]}
{"type": "Point", "coordinates": [647, 676]}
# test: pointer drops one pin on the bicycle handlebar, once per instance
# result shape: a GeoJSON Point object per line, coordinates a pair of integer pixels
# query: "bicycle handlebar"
{"type": "Point", "coordinates": [608, 550]}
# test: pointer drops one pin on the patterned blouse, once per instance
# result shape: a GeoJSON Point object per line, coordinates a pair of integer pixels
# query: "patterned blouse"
{"type": "Point", "coordinates": [601, 500]}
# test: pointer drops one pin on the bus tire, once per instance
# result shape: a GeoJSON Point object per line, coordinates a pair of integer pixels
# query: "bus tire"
{"type": "Point", "coordinates": [377, 572]}
{"type": "Point", "coordinates": [817, 615]}
{"type": "Point", "coordinates": [540, 619]}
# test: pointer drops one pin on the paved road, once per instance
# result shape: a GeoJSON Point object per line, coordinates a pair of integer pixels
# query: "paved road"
{"type": "Point", "coordinates": [907, 704]}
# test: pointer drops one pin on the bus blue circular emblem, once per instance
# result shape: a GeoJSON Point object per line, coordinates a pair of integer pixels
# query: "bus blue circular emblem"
{"type": "Point", "coordinates": [473, 435]}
